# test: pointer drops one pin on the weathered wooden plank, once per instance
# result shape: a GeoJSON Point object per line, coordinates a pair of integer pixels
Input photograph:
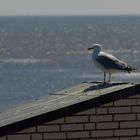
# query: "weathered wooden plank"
{"type": "Point", "coordinates": [62, 99]}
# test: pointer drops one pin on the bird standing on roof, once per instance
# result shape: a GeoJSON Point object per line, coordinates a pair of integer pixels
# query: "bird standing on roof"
{"type": "Point", "coordinates": [108, 63]}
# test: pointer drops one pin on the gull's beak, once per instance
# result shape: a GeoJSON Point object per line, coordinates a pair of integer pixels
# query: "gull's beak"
{"type": "Point", "coordinates": [89, 49]}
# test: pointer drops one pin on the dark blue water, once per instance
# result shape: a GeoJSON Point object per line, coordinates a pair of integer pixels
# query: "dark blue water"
{"type": "Point", "coordinates": [40, 55]}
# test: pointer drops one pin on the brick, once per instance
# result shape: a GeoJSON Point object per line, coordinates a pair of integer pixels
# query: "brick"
{"type": "Point", "coordinates": [90, 126]}
{"type": "Point", "coordinates": [101, 111]}
{"type": "Point", "coordinates": [19, 137]}
{"type": "Point", "coordinates": [138, 101]}
{"type": "Point", "coordinates": [136, 109]}
{"type": "Point", "coordinates": [71, 127]}
{"type": "Point", "coordinates": [108, 125]}
{"type": "Point", "coordinates": [110, 104]}
{"type": "Point", "coordinates": [100, 133]}
{"type": "Point", "coordinates": [3, 138]}
{"type": "Point", "coordinates": [138, 116]}
{"type": "Point", "coordinates": [125, 132]}
{"type": "Point", "coordinates": [125, 117]}
{"type": "Point", "coordinates": [101, 118]}
{"type": "Point", "coordinates": [108, 138]}
{"type": "Point", "coordinates": [134, 124]}
{"type": "Point", "coordinates": [138, 131]}
{"type": "Point", "coordinates": [29, 130]}
{"type": "Point", "coordinates": [116, 110]}
{"type": "Point", "coordinates": [82, 134]}
{"type": "Point", "coordinates": [37, 136]}
{"type": "Point", "coordinates": [125, 138]}
{"type": "Point", "coordinates": [86, 139]}
{"type": "Point", "coordinates": [47, 128]}
{"type": "Point", "coordinates": [125, 102]}
{"type": "Point", "coordinates": [135, 96]}
{"type": "Point", "coordinates": [87, 112]}
{"type": "Point", "coordinates": [57, 121]}
{"type": "Point", "coordinates": [49, 136]}
{"type": "Point", "coordinates": [135, 138]}
{"type": "Point", "coordinates": [76, 119]}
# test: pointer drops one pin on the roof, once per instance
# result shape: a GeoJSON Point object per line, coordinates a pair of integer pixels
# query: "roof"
{"type": "Point", "coordinates": [61, 103]}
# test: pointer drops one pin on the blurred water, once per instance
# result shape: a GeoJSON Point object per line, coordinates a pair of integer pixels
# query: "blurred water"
{"type": "Point", "coordinates": [40, 55]}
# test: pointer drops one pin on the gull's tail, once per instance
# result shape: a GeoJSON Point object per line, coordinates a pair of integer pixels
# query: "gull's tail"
{"type": "Point", "coordinates": [130, 69]}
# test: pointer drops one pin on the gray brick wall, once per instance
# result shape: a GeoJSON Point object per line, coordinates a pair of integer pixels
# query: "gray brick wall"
{"type": "Point", "coordinates": [118, 120]}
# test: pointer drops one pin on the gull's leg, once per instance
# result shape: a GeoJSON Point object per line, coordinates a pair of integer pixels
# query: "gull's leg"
{"type": "Point", "coordinates": [104, 77]}
{"type": "Point", "coordinates": [109, 77]}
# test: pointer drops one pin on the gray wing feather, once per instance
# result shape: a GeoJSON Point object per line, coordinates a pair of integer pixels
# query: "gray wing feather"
{"type": "Point", "coordinates": [110, 62]}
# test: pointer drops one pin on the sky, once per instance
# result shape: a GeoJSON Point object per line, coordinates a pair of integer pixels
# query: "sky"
{"type": "Point", "coordinates": [69, 7]}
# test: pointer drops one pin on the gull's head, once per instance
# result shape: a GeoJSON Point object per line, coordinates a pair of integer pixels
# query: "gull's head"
{"type": "Point", "coordinates": [95, 48]}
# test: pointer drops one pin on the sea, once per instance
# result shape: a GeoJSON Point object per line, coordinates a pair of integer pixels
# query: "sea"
{"type": "Point", "coordinates": [40, 55]}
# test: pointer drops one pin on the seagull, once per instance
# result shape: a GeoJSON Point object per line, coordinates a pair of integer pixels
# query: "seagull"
{"type": "Point", "coordinates": [107, 63]}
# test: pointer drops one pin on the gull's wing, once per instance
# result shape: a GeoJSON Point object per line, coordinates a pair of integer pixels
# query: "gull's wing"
{"type": "Point", "coordinates": [110, 62]}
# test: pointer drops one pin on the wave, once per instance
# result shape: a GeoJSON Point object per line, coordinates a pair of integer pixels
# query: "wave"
{"type": "Point", "coordinates": [133, 75]}
{"type": "Point", "coordinates": [25, 61]}
{"type": "Point", "coordinates": [126, 51]}
{"type": "Point", "coordinates": [126, 75]}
